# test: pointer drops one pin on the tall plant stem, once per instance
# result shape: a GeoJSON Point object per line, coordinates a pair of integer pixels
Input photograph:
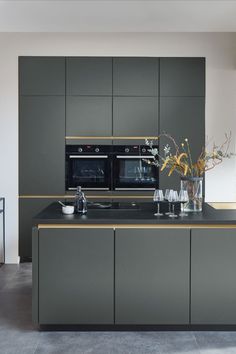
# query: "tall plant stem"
{"type": "Point", "coordinates": [190, 157]}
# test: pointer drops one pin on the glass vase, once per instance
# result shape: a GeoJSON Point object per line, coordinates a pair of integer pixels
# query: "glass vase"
{"type": "Point", "coordinates": [193, 185]}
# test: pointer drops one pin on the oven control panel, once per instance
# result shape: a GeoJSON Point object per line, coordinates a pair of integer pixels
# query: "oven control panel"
{"type": "Point", "coordinates": [88, 149]}
{"type": "Point", "coordinates": [131, 150]}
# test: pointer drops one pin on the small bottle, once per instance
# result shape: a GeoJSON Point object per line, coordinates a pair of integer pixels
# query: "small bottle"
{"type": "Point", "coordinates": [80, 201]}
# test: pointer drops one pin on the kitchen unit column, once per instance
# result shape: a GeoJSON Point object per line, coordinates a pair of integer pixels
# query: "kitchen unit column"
{"type": "Point", "coordinates": [182, 107]}
{"type": "Point", "coordinates": [41, 139]}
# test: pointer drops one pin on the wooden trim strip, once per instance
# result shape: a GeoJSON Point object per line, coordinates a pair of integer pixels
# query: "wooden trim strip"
{"type": "Point", "coordinates": [110, 137]}
{"type": "Point", "coordinates": [87, 196]}
{"type": "Point", "coordinates": [135, 226]}
{"type": "Point", "coordinates": [223, 205]}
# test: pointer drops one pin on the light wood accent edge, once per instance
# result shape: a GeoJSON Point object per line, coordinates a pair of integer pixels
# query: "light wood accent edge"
{"type": "Point", "coordinates": [110, 137]}
{"type": "Point", "coordinates": [135, 226]}
{"type": "Point", "coordinates": [223, 205]}
{"type": "Point", "coordinates": [87, 196]}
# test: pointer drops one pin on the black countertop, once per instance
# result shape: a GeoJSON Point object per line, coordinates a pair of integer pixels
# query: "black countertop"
{"type": "Point", "coordinates": [127, 213]}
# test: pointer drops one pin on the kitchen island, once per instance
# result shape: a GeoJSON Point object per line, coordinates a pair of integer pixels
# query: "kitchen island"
{"type": "Point", "coordinates": [119, 265]}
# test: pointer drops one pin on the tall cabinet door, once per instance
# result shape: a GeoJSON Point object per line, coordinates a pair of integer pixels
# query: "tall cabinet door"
{"type": "Point", "coordinates": [152, 276]}
{"type": "Point", "coordinates": [42, 145]}
{"type": "Point", "coordinates": [213, 276]}
{"type": "Point", "coordinates": [76, 270]}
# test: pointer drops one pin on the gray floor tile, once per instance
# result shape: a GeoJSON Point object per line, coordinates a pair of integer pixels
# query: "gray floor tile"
{"type": "Point", "coordinates": [216, 342]}
{"type": "Point", "coordinates": [19, 336]}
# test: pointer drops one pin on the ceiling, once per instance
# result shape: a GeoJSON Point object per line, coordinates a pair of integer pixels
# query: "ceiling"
{"type": "Point", "coordinates": [118, 16]}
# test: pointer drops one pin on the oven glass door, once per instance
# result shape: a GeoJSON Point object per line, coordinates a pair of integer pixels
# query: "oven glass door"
{"type": "Point", "coordinates": [132, 172]}
{"type": "Point", "coordinates": [89, 172]}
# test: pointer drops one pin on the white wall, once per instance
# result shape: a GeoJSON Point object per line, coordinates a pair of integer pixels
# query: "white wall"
{"type": "Point", "coordinates": [219, 49]}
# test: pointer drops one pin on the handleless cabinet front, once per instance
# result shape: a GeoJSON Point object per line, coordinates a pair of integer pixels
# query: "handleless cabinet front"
{"type": "Point", "coordinates": [181, 117]}
{"type": "Point", "coordinates": [135, 116]}
{"type": "Point", "coordinates": [42, 75]}
{"type": "Point", "coordinates": [88, 116]}
{"type": "Point", "coordinates": [28, 208]}
{"type": "Point", "coordinates": [135, 76]}
{"type": "Point", "coordinates": [152, 276]}
{"type": "Point", "coordinates": [213, 275]}
{"type": "Point", "coordinates": [76, 269]}
{"type": "Point", "coordinates": [91, 76]}
{"type": "Point", "coordinates": [182, 77]}
{"type": "Point", "coordinates": [42, 145]}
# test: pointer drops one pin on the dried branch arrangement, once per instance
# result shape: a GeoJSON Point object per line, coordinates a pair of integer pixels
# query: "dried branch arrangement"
{"type": "Point", "coordinates": [181, 161]}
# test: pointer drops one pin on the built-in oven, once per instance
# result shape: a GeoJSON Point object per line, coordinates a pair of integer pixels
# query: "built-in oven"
{"type": "Point", "coordinates": [131, 171]}
{"type": "Point", "coordinates": [88, 166]}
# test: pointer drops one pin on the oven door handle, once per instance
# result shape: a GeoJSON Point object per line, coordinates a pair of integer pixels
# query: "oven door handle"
{"type": "Point", "coordinates": [134, 157]}
{"type": "Point", "coordinates": [88, 156]}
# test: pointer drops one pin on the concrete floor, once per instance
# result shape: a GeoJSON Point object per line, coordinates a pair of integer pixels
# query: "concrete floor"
{"type": "Point", "coordinates": [18, 336]}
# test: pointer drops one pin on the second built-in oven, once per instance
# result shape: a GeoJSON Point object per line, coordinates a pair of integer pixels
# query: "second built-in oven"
{"type": "Point", "coordinates": [88, 166]}
{"type": "Point", "coordinates": [131, 171]}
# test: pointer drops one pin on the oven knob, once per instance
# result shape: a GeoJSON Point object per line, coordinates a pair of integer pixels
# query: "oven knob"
{"type": "Point", "coordinates": [97, 150]}
{"type": "Point", "coordinates": [80, 149]}
{"type": "Point", "coordinates": [126, 149]}
{"type": "Point", "coordinates": [144, 150]}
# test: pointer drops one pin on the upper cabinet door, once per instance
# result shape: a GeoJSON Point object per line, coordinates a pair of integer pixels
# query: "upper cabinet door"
{"type": "Point", "coordinates": [182, 77]}
{"type": "Point", "coordinates": [135, 76]}
{"type": "Point", "coordinates": [89, 76]}
{"type": "Point", "coordinates": [135, 116]}
{"type": "Point", "coordinates": [42, 145]}
{"type": "Point", "coordinates": [88, 116]}
{"type": "Point", "coordinates": [42, 75]}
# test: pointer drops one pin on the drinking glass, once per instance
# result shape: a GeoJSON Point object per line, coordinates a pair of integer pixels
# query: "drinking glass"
{"type": "Point", "coordinates": [173, 198]}
{"type": "Point", "coordinates": [158, 197]}
{"type": "Point", "coordinates": [183, 198]}
{"type": "Point", "coordinates": [167, 194]}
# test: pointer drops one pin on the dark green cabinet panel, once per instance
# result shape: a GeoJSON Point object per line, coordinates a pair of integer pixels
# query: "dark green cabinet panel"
{"type": "Point", "coordinates": [152, 276]}
{"type": "Point", "coordinates": [89, 76]}
{"type": "Point", "coordinates": [135, 76]}
{"type": "Point", "coordinates": [42, 145]}
{"type": "Point", "coordinates": [213, 275]}
{"type": "Point", "coordinates": [88, 116]}
{"type": "Point", "coordinates": [181, 117]}
{"type": "Point", "coordinates": [42, 75]}
{"type": "Point", "coordinates": [182, 77]}
{"type": "Point", "coordinates": [28, 208]}
{"type": "Point", "coordinates": [135, 116]}
{"type": "Point", "coordinates": [76, 268]}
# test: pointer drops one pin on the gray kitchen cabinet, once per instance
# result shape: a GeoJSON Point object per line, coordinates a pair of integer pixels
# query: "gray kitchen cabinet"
{"type": "Point", "coordinates": [181, 117]}
{"type": "Point", "coordinates": [135, 116]}
{"type": "Point", "coordinates": [213, 276]}
{"type": "Point", "coordinates": [88, 116]}
{"type": "Point", "coordinates": [182, 77]}
{"type": "Point", "coordinates": [89, 76]}
{"type": "Point", "coordinates": [152, 276]}
{"type": "Point", "coordinates": [76, 268]}
{"type": "Point", "coordinates": [42, 75]}
{"type": "Point", "coordinates": [28, 208]}
{"type": "Point", "coordinates": [135, 76]}
{"type": "Point", "coordinates": [42, 145]}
